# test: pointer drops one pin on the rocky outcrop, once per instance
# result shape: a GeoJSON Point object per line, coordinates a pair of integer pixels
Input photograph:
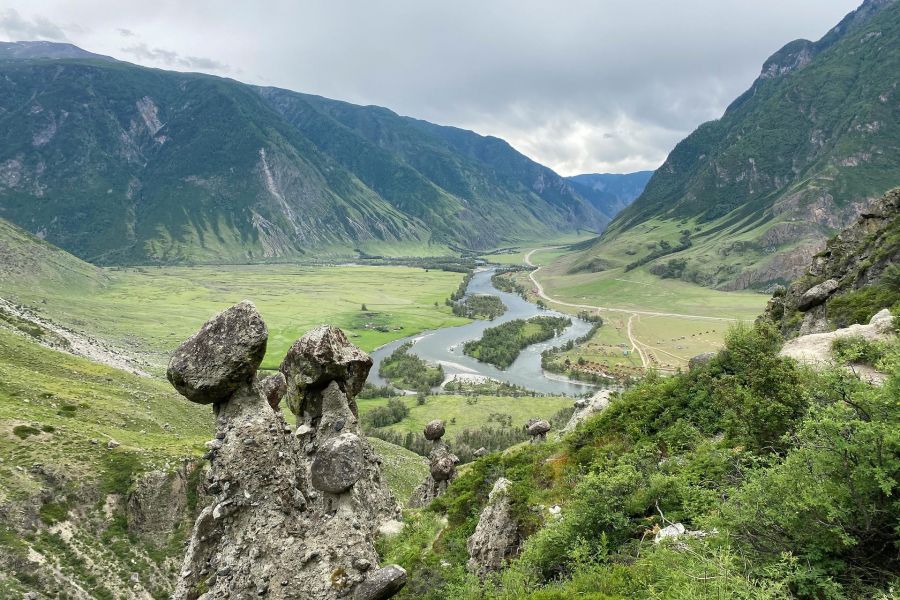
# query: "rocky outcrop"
{"type": "Point", "coordinates": [158, 503]}
{"type": "Point", "coordinates": [442, 468]}
{"type": "Point", "coordinates": [293, 514]}
{"type": "Point", "coordinates": [860, 257]}
{"type": "Point", "coordinates": [815, 349]}
{"type": "Point", "coordinates": [497, 537]}
{"type": "Point", "coordinates": [701, 359]}
{"type": "Point", "coordinates": [585, 407]}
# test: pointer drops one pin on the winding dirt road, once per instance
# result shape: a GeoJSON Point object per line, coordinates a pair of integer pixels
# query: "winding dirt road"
{"type": "Point", "coordinates": [636, 345]}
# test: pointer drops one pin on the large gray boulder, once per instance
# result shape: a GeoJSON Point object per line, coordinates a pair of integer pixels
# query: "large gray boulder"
{"type": "Point", "coordinates": [434, 430]}
{"type": "Point", "coordinates": [382, 584]}
{"type": "Point", "coordinates": [338, 464]}
{"type": "Point", "coordinates": [497, 537]}
{"type": "Point", "coordinates": [321, 356]}
{"type": "Point", "coordinates": [817, 294]}
{"type": "Point", "coordinates": [220, 358]}
{"type": "Point", "coordinates": [537, 429]}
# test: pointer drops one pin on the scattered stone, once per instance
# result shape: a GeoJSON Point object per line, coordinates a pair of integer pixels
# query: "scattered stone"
{"type": "Point", "coordinates": [434, 430]}
{"type": "Point", "coordinates": [111, 444]}
{"type": "Point", "coordinates": [224, 355]}
{"type": "Point", "coordinates": [817, 294]}
{"type": "Point", "coordinates": [273, 388]}
{"type": "Point", "coordinates": [337, 464]}
{"type": "Point", "coordinates": [480, 452]}
{"type": "Point", "coordinates": [382, 584]}
{"type": "Point", "coordinates": [672, 531]}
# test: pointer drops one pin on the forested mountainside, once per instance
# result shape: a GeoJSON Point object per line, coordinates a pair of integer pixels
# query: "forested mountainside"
{"type": "Point", "coordinates": [118, 163]}
{"type": "Point", "coordinates": [798, 156]}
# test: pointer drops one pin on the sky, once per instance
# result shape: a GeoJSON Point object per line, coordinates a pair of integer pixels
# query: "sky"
{"type": "Point", "coordinates": [581, 86]}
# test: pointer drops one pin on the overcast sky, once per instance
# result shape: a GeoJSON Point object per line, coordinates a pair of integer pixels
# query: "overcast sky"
{"type": "Point", "coordinates": [581, 86]}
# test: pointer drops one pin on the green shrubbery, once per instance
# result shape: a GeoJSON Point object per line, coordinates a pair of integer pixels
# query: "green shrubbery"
{"type": "Point", "coordinates": [789, 476]}
{"type": "Point", "coordinates": [479, 306]}
{"type": "Point", "coordinates": [857, 349]}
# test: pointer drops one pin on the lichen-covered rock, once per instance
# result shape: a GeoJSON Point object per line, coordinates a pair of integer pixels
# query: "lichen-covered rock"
{"type": "Point", "coordinates": [382, 584]}
{"type": "Point", "coordinates": [444, 467]}
{"type": "Point", "coordinates": [338, 464]}
{"type": "Point", "coordinates": [817, 294]}
{"type": "Point", "coordinates": [480, 452]}
{"type": "Point", "coordinates": [321, 356]}
{"type": "Point", "coordinates": [537, 429]}
{"type": "Point", "coordinates": [223, 356]}
{"type": "Point", "coordinates": [497, 537]}
{"type": "Point", "coordinates": [434, 430]}
{"type": "Point", "coordinates": [273, 388]}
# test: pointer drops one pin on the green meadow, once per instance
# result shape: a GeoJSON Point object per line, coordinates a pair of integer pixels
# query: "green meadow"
{"type": "Point", "coordinates": [469, 412]}
{"type": "Point", "coordinates": [148, 311]}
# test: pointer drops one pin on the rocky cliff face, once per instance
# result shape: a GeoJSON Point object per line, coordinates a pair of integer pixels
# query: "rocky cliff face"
{"type": "Point", "coordinates": [497, 537]}
{"type": "Point", "coordinates": [294, 513]}
{"type": "Point", "coordinates": [856, 276]}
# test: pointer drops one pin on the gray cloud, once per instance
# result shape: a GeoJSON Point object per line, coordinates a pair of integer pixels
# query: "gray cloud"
{"type": "Point", "coordinates": [38, 28]}
{"type": "Point", "coordinates": [172, 59]}
{"type": "Point", "coordinates": [579, 85]}
{"type": "Point", "coordinates": [127, 33]}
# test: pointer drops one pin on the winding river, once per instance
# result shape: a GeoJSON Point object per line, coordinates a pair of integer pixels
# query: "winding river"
{"type": "Point", "coordinates": [444, 346]}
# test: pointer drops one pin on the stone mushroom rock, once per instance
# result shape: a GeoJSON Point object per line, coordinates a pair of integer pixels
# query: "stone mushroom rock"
{"type": "Point", "coordinates": [538, 429]}
{"type": "Point", "coordinates": [269, 531]}
{"type": "Point", "coordinates": [817, 294]}
{"type": "Point", "coordinates": [442, 470]}
{"type": "Point", "coordinates": [497, 537]}
{"type": "Point", "coordinates": [220, 358]}
{"type": "Point", "coordinates": [321, 356]}
{"type": "Point", "coordinates": [273, 388]}
{"type": "Point", "coordinates": [434, 430]}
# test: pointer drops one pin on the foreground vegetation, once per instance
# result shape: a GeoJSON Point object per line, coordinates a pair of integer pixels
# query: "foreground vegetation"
{"type": "Point", "coordinates": [502, 344]}
{"type": "Point", "coordinates": [787, 477]}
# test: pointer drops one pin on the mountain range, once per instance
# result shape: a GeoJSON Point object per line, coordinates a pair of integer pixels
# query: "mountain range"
{"type": "Point", "coordinates": [118, 163]}
{"type": "Point", "coordinates": [746, 200]}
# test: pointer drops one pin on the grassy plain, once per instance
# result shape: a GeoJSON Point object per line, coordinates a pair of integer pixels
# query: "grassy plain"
{"type": "Point", "coordinates": [469, 412]}
{"type": "Point", "coordinates": [148, 311]}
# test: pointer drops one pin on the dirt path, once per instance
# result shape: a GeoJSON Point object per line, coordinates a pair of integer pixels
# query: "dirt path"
{"type": "Point", "coordinates": [543, 294]}
{"type": "Point", "coordinates": [634, 343]}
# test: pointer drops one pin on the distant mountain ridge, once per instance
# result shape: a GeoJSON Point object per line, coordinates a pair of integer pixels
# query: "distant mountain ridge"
{"type": "Point", "coordinates": [797, 157]}
{"type": "Point", "coordinates": [118, 163]}
{"type": "Point", "coordinates": [610, 193]}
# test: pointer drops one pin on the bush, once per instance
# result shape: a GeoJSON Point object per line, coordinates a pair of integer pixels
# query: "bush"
{"type": "Point", "coordinates": [857, 349]}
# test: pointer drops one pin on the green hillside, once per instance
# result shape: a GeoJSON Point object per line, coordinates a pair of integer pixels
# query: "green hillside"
{"type": "Point", "coordinates": [795, 158]}
{"type": "Point", "coordinates": [122, 164]}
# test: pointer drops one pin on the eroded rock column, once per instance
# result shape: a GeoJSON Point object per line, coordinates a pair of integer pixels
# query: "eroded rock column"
{"type": "Point", "coordinates": [271, 530]}
{"type": "Point", "coordinates": [442, 467]}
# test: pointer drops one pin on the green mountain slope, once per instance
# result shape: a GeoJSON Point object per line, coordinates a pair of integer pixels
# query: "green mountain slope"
{"type": "Point", "coordinates": [122, 164]}
{"type": "Point", "coordinates": [610, 193]}
{"type": "Point", "coordinates": [796, 157]}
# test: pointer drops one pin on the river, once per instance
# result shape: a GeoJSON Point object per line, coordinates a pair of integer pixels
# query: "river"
{"type": "Point", "coordinates": [444, 346]}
